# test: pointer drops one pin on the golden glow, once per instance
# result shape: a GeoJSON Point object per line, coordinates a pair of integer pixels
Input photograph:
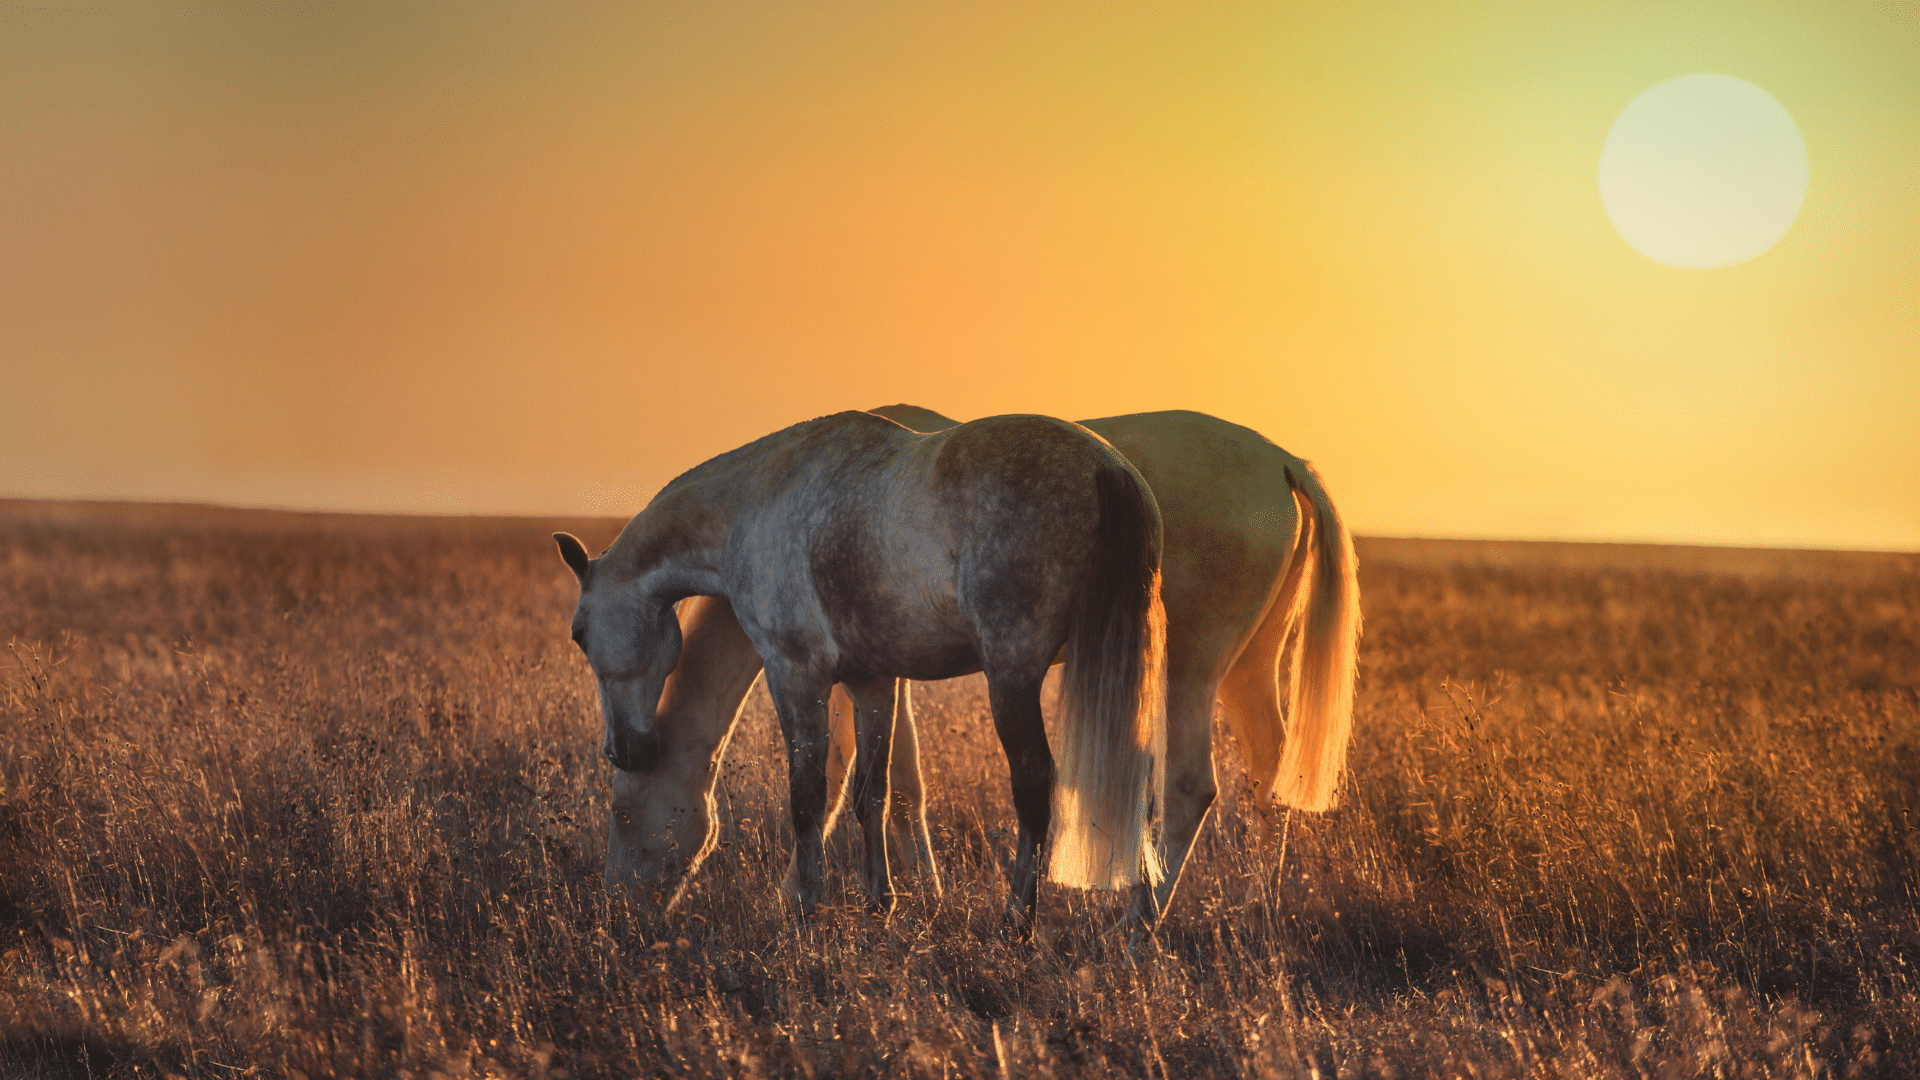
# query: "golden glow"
{"type": "Point", "coordinates": [438, 258]}
{"type": "Point", "coordinates": [1703, 171]}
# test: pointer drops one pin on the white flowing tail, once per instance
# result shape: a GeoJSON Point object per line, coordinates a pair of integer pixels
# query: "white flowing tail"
{"type": "Point", "coordinates": [1320, 700]}
{"type": "Point", "coordinates": [1113, 703]}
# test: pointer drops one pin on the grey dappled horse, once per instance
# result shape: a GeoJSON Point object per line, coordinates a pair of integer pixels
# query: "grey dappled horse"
{"type": "Point", "coordinates": [1254, 552]}
{"type": "Point", "coordinates": [852, 550]}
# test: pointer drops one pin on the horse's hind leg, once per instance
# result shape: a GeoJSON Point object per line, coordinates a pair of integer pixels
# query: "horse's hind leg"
{"type": "Point", "coordinates": [908, 807]}
{"type": "Point", "coordinates": [1250, 695]}
{"type": "Point", "coordinates": [1015, 699]}
{"type": "Point", "coordinates": [873, 701]}
{"type": "Point", "coordinates": [1190, 785]}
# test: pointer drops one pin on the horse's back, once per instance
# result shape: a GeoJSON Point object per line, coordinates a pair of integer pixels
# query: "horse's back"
{"type": "Point", "coordinates": [900, 547]}
{"type": "Point", "coordinates": [861, 439]}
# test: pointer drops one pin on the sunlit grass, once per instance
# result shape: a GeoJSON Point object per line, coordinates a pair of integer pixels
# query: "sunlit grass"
{"type": "Point", "coordinates": [321, 795]}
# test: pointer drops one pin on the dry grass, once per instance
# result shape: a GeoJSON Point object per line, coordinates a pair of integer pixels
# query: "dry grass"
{"type": "Point", "coordinates": [303, 794]}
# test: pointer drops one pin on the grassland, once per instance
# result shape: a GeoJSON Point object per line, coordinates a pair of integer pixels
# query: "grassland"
{"type": "Point", "coordinates": [293, 794]}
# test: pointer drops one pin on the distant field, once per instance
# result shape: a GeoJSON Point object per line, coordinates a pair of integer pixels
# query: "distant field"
{"type": "Point", "coordinates": [321, 795]}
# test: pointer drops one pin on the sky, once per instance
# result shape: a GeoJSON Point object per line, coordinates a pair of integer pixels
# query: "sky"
{"type": "Point", "coordinates": [541, 259]}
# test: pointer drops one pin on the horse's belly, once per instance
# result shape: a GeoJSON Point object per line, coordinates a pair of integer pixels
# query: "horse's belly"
{"type": "Point", "coordinates": [949, 667]}
{"type": "Point", "coordinates": [924, 661]}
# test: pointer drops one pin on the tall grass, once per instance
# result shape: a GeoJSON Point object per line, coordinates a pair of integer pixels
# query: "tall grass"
{"type": "Point", "coordinates": [320, 795]}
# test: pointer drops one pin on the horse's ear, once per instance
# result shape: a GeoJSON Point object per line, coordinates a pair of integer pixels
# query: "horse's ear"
{"type": "Point", "coordinates": [574, 553]}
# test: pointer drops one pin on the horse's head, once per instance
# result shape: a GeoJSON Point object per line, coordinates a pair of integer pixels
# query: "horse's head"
{"type": "Point", "coordinates": [660, 822]}
{"type": "Point", "coordinates": [659, 828]}
{"type": "Point", "coordinates": [632, 639]}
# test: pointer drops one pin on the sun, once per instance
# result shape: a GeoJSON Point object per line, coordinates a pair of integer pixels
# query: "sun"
{"type": "Point", "coordinates": [1703, 171]}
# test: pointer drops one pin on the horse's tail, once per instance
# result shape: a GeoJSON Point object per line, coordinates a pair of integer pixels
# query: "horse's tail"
{"type": "Point", "coordinates": [1320, 702]}
{"type": "Point", "coordinates": [1113, 700]}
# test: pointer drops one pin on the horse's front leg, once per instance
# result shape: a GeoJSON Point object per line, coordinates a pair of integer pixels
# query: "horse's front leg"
{"type": "Point", "coordinates": [873, 701]}
{"type": "Point", "coordinates": [801, 700]}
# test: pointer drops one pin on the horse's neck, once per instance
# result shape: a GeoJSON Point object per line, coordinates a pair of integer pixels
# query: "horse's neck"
{"type": "Point", "coordinates": [677, 543]}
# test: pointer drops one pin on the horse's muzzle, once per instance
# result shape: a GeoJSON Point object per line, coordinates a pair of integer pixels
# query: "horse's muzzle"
{"type": "Point", "coordinates": [634, 751]}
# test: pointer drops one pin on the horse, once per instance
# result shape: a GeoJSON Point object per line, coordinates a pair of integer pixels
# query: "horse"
{"type": "Point", "coordinates": [850, 549]}
{"type": "Point", "coordinates": [1255, 552]}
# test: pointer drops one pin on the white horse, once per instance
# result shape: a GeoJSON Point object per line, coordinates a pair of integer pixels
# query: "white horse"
{"type": "Point", "coordinates": [852, 550]}
{"type": "Point", "coordinates": [1254, 553]}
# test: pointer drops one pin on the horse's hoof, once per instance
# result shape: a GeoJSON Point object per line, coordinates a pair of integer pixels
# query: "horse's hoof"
{"type": "Point", "coordinates": [1140, 926]}
{"type": "Point", "coordinates": [805, 911]}
{"type": "Point", "coordinates": [1140, 942]}
{"type": "Point", "coordinates": [1017, 924]}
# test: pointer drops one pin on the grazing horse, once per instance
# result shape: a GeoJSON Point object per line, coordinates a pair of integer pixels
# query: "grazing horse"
{"type": "Point", "coordinates": [852, 550]}
{"type": "Point", "coordinates": [1254, 552]}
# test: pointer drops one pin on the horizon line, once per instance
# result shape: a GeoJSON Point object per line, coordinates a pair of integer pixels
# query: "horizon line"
{"type": "Point", "coordinates": [1617, 541]}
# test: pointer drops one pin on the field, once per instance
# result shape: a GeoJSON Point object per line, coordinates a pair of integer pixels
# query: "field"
{"type": "Point", "coordinates": [290, 794]}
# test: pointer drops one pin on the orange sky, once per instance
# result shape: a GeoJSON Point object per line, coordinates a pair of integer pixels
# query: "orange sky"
{"type": "Point", "coordinates": [417, 258]}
